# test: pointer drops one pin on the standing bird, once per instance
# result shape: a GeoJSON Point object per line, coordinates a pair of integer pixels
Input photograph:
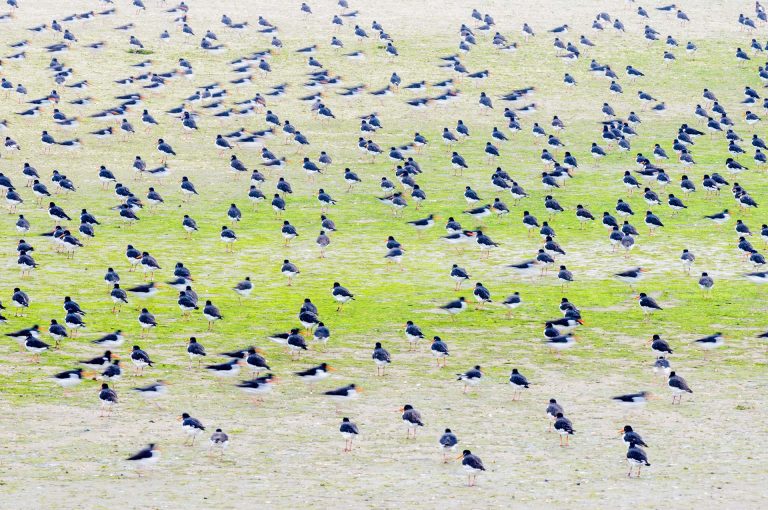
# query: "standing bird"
{"type": "Point", "coordinates": [108, 399]}
{"type": "Point", "coordinates": [349, 432]}
{"type": "Point", "coordinates": [471, 377]}
{"type": "Point", "coordinates": [439, 350]}
{"type": "Point", "coordinates": [211, 314]}
{"type": "Point", "coordinates": [563, 427]}
{"type": "Point", "coordinates": [220, 440]}
{"type": "Point", "coordinates": [192, 427]}
{"type": "Point", "coordinates": [553, 409]}
{"type": "Point", "coordinates": [518, 382]}
{"type": "Point", "coordinates": [472, 466]}
{"type": "Point", "coordinates": [706, 283]}
{"type": "Point", "coordinates": [140, 359]}
{"type": "Point", "coordinates": [636, 457]}
{"type": "Point", "coordinates": [413, 334]}
{"type": "Point", "coordinates": [678, 386]}
{"type": "Point", "coordinates": [629, 436]}
{"type": "Point", "coordinates": [647, 304]}
{"type": "Point", "coordinates": [195, 351]}
{"type": "Point", "coordinates": [341, 295]}
{"type": "Point", "coordinates": [381, 358]}
{"type": "Point", "coordinates": [411, 419]}
{"type": "Point", "coordinates": [448, 442]}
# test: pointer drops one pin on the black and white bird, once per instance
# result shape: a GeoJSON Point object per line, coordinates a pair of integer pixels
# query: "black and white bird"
{"type": "Point", "coordinates": [471, 377]}
{"type": "Point", "coordinates": [145, 457]}
{"type": "Point", "coordinates": [381, 358]}
{"type": "Point", "coordinates": [455, 307]}
{"type": "Point", "coordinates": [192, 427]}
{"type": "Point", "coordinates": [411, 419]}
{"type": "Point", "coordinates": [472, 465]}
{"type": "Point", "coordinates": [518, 383]}
{"type": "Point", "coordinates": [341, 295]}
{"type": "Point", "coordinates": [349, 432]}
{"type": "Point", "coordinates": [564, 428]}
{"type": "Point", "coordinates": [678, 386]}
{"type": "Point", "coordinates": [632, 399]}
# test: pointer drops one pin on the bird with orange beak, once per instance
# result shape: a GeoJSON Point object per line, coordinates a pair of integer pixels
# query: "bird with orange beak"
{"type": "Point", "coordinates": [647, 304]}
{"type": "Point", "coordinates": [71, 378]}
{"type": "Point", "coordinates": [472, 465]}
{"type": "Point", "coordinates": [258, 387]}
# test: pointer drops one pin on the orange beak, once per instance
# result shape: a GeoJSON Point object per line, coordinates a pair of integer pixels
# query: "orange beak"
{"type": "Point", "coordinates": [621, 431]}
{"type": "Point", "coordinates": [401, 410]}
{"type": "Point", "coordinates": [179, 418]}
{"type": "Point", "coordinates": [116, 356]}
{"type": "Point", "coordinates": [580, 321]}
{"type": "Point", "coordinates": [330, 369]}
{"type": "Point", "coordinates": [358, 389]}
{"type": "Point", "coordinates": [459, 457]}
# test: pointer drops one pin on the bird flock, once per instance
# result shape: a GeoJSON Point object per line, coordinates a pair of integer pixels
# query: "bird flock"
{"type": "Point", "coordinates": [57, 219]}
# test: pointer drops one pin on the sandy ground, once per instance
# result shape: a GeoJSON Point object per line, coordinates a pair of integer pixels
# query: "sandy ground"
{"type": "Point", "coordinates": [286, 452]}
{"type": "Point", "coordinates": [706, 453]}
